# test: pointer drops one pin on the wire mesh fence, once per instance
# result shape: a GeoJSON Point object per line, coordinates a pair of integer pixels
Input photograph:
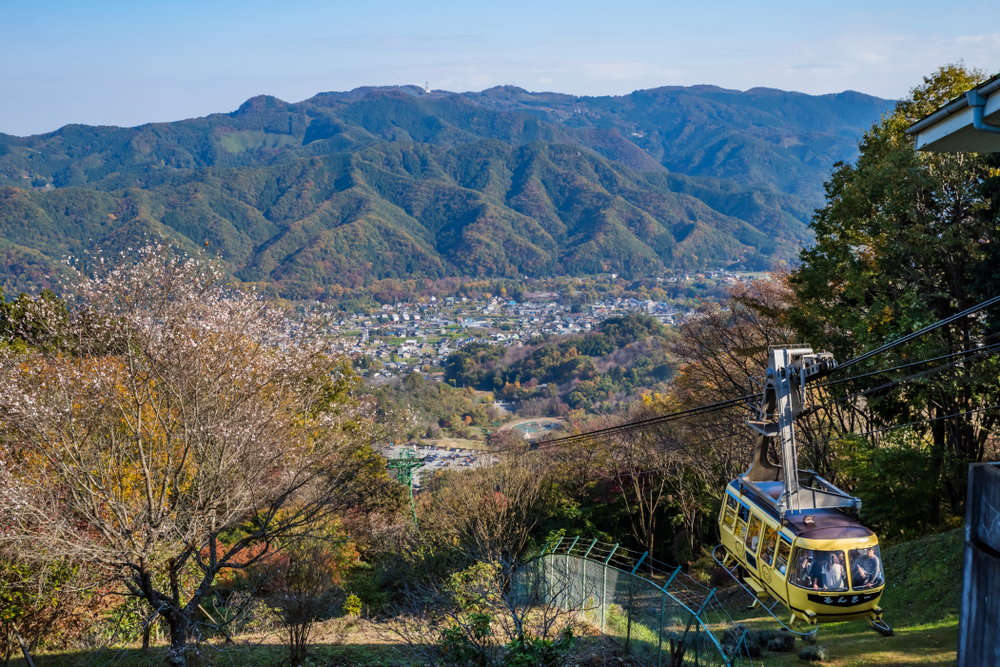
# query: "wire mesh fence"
{"type": "Point", "coordinates": [660, 615]}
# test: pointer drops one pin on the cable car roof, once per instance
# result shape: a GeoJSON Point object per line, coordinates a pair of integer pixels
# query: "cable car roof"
{"type": "Point", "coordinates": [826, 524]}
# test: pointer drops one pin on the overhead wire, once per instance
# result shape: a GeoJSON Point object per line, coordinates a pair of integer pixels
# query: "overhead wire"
{"type": "Point", "coordinates": [917, 422]}
{"type": "Point", "coordinates": [705, 409]}
{"type": "Point", "coordinates": [643, 423]}
{"type": "Point", "coordinates": [916, 334]}
{"type": "Point", "coordinates": [876, 431]}
{"type": "Point", "coordinates": [964, 343]}
{"type": "Point", "coordinates": [982, 352]}
{"type": "Point", "coordinates": [909, 365]}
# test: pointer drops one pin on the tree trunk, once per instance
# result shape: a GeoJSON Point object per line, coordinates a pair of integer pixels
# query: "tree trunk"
{"type": "Point", "coordinates": [177, 622]}
{"type": "Point", "coordinates": [7, 644]}
{"type": "Point", "coordinates": [24, 648]}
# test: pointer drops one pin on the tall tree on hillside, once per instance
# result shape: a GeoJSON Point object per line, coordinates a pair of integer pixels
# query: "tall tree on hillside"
{"type": "Point", "coordinates": [723, 351]}
{"type": "Point", "coordinates": [177, 430]}
{"type": "Point", "coordinates": [905, 239]}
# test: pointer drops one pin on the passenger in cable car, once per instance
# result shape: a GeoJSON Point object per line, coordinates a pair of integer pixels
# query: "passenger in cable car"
{"type": "Point", "coordinates": [784, 553]}
{"type": "Point", "coordinates": [817, 574]}
{"type": "Point", "coordinates": [820, 570]}
{"type": "Point", "coordinates": [835, 576]}
{"type": "Point", "coordinates": [804, 568]}
{"type": "Point", "coordinates": [866, 568]}
{"type": "Point", "coordinates": [767, 551]}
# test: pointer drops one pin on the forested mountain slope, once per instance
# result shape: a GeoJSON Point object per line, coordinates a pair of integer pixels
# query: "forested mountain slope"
{"type": "Point", "coordinates": [375, 183]}
{"type": "Point", "coordinates": [759, 138]}
{"type": "Point", "coordinates": [403, 209]}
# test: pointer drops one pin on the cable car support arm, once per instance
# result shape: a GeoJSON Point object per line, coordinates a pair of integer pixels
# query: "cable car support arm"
{"type": "Point", "coordinates": [784, 398]}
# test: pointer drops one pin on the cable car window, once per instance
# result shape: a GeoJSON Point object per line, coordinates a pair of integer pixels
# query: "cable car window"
{"type": "Point", "coordinates": [729, 518]}
{"type": "Point", "coordinates": [819, 570]}
{"type": "Point", "coordinates": [767, 550]}
{"type": "Point", "coordinates": [753, 536]}
{"type": "Point", "coordinates": [741, 529]}
{"type": "Point", "coordinates": [781, 562]}
{"type": "Point", "coordinates": [744, 512]}
{"type": "Point", "coordinates": [866, 568]}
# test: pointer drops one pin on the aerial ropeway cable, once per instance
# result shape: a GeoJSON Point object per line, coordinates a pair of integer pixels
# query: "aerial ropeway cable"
{"type": "Point", "coordinates": [851, 378]}
{"type": "Point", "coordinates": [745, 400]}
{"type": "Point", "coordinates": [968, 356]}
{"type": "Point", "coordinates": [791, 532]}
{"type": "Point", "coordinates": [916, 334]}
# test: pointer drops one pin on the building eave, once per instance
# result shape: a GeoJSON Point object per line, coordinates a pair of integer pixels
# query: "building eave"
{"type": "Point", "coordinates": [950, 129]}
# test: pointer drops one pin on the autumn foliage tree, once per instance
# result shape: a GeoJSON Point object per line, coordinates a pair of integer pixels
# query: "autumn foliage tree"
{"type": "Point", "coordinates": [172, 412]}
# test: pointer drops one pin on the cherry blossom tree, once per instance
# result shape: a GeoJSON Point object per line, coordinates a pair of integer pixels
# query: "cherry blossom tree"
{"type": "Point", "coordinates": [166, 427]}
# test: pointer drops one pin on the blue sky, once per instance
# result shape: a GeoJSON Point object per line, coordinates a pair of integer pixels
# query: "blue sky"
{"type": "Point", "coordinates": [127, 63]}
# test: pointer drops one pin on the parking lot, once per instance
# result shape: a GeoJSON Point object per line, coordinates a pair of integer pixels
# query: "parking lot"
{"type": "Point", "coordinates": [436, 458]}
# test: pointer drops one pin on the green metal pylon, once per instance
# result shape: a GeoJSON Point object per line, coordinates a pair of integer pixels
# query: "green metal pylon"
{"type": "Point", "coordinates": [402, 469]}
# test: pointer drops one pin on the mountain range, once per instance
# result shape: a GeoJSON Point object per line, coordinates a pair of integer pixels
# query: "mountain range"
{"type": "Point", "coordinates": [373, 183]}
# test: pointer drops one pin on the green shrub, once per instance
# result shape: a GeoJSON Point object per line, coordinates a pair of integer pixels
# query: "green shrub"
{"type": "Point", "coordinates": [813, 653]}
{"type": "Point", "coordinates": [352, 605]}
{"type": "Point", "coordinates": [535, 652]}
{"type": "Point", "coordinates": [781, 644]}
{"type": "Point", "coordinates": [458, 647]}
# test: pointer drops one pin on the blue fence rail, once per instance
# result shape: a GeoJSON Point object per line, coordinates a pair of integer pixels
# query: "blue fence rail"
{"type": "Point", "coordinates": [660, 615]}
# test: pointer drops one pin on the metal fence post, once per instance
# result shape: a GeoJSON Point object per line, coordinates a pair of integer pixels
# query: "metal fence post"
{"type": "Point", "coordinates": [604, 591]}
{"type": "Point", "coordinates": [659, 649]}
{"type": "Point", "coordinates": [697, 644]}
{"type": "Point", "coordinates": [739, 645]}
{"type": "Point", "coordinates": [540, 569]}
{"type": "Point", "coordinates": [631, 595]}
{"type": "Point", "coordinates": [698, 623]}
{"type": "Point", "coordinates": [589, 549]}
{"type": "Point", "coordinates": [568, 585]}
{"type": "Point", "coordinates": [663, 603]}
{"type": "Point", "coordinates": [548, 577]}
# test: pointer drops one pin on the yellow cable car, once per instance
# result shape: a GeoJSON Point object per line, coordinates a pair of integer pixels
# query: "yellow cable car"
{"type": "Point", "coordinates": [786, 527]}
{"type": "Point", "coordinates": [824, 567]}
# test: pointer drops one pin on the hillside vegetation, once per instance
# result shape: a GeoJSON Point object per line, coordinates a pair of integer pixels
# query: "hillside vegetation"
{"type": "Point", "coordinates": [347, 188]}
{"type": "Point", "coordinates": [406, 210]}
{"type": "Point", "coordinates": [594, 371]}
{"type": "Point", "coordinates": [759, 138]}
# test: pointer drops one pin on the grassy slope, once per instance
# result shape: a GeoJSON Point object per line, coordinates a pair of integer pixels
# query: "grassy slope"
{"type": "Point", "coordinates": [921, 602]}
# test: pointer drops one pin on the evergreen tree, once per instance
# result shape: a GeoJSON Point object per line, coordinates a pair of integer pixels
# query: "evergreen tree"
{"type": "Point", "coordinates": [906, 239]}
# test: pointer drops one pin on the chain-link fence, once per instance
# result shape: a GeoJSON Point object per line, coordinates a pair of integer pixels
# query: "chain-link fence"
{"type": "Point", "coordinates": [660, 616]}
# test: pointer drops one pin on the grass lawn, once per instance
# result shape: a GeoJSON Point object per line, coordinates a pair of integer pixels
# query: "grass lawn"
{"type": "Point", "coordinates": [267, 655]}
{"type": "Point", "coordinates": [337, 643]}
{"type": "Point", "coordinates": [854, 644]}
